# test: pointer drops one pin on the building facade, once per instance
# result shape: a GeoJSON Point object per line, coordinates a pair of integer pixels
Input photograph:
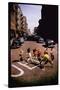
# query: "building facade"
{"type": "Point", "coordinates": [18, 22]}
{"type": "Point", "coordinates": [24, 24]}
{"type": "Point", "coordinates": [12, 19]}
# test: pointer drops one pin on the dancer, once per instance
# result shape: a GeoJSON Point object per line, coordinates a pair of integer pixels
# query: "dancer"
{"type": "Point", "coordinates": [35, 53]}
{"type": "Point", "coordinates": [21, 55]}
{"type": "Point", "coordinates": [51, 54]}
{"type": "Point", "coordinates": [29, 55]}
{"type": "Point", "coordinates": [45, 59]}
{"type": "Point", "coordinates": [39, 54]}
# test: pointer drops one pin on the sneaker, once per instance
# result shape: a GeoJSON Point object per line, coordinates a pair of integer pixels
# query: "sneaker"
{"type": "Point", "coordinates": [43, 69]}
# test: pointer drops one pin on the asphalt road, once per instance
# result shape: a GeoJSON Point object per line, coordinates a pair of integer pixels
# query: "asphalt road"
{"type": "Point", "coordinates": [30, 74]}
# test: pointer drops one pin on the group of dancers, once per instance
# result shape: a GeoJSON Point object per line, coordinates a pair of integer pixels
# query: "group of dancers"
{"type": "Point", "coordinates": [35, 56]}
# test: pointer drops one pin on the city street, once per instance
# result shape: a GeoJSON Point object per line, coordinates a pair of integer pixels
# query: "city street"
{"type": "Point", "coordinates": [25, 72]}
{"type": "Point", "coordinates": [33, 28]}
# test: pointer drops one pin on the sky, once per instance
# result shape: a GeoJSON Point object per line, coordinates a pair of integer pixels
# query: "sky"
{"type": "Point", "coordinates": [33, 14]}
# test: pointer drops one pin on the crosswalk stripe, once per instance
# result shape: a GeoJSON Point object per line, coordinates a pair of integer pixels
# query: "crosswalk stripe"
{"type": "Point", "coordinates": [19, 69]}
{"type": "Point", "coordinates": [25, 65]}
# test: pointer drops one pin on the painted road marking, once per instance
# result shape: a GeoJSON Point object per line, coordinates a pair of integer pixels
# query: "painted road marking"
{"type": "Point", "coordinates": [25, 65]}
{"type": "Point", "coordinates": [19, 69]}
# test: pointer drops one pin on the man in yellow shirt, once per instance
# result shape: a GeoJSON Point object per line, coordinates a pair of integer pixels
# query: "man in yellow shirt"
{"type": "Point", "coordinates": [45, 59]}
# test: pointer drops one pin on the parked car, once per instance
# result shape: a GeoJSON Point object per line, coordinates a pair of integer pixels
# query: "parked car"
{"type": "Point", "coordinates": [36, 38]}
{"type": "Point", "coordinates": [30, 38]}
{"type": "Point", "coordinates": [17, 42]}
{"type": "Point", "coordinates": [25, 38]}
{"type": "Point", "coordinates": [21, 40]}
{"type": "Point", "coordinates": [50, 43]}
{"type": "Point", "coordinates": [40, 40]}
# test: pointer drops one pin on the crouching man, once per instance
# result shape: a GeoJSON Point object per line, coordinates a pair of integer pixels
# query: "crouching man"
{"type": "Point", "coordinates": [45, 60]}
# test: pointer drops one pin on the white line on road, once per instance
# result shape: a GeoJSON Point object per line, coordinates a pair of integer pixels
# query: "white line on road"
{"type": "Point", "coordinates": [30, 68]}
{"type": "Point", "coordinates": [19, 69]}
